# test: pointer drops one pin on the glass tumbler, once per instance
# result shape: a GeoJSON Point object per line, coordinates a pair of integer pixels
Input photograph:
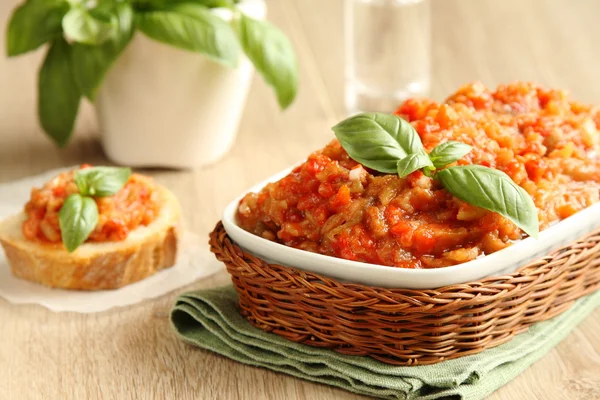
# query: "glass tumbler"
{"type": "Point", "coordinates": [387, 51]}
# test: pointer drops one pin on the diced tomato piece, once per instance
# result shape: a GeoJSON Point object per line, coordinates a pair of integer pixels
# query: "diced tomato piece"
{"type": "Point", "coordinates": [401, 228]}
{"type": "Point", "coordinates": [566, 210]}
{"type": "Point", "coordinates": [536, 168]}
{"type": "Point", "coordinates": [393, 214]}
{"type": "Point", "coordinates": [424, 240]}
{"type": "Point", "coordinates": [341, 199]}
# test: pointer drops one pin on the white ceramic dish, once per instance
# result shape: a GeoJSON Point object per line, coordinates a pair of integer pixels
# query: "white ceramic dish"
{"type": "Point", "coordinates": [502, 262]}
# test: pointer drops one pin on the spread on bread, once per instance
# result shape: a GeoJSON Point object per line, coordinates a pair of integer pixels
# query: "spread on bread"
{"type": "Point", "coordinates": [93, 228]}
{"type": "Point", "coordinates": [135, 204]}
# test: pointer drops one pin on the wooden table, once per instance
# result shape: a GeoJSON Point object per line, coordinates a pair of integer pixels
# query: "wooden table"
{"type": "Point", "coordinates": [132, 352]}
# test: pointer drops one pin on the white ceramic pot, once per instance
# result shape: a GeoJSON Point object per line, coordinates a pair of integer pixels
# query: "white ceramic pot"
{"type": "Point", "coordinates": [160, 106]}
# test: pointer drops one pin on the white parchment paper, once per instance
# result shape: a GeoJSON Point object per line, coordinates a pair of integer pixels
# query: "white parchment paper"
{"type": "Point", "coordinates": [194, 262]}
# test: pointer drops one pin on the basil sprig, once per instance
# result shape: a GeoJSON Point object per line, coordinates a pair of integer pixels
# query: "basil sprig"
{"type": "Point", "coordinates": [78, 215]}
{"type": "Point", "coordinates": [389, 144]}
{"type": "Point", "coordinates": [273, 56]}
{"type": "Point", "coordinates": [493, 190]}
{"type": "Point", "coordinates": [81, 26]}
{"type": "Point", "coordinates": [186, 26]}
{"type": "Point", "coordinates": [448, 152]}
{"type": "Point", "coordinates": [412, 163]}
{"type": "Point", "coordinates": [77, 218]}
{"type": "Point", "coordinates": [101, 181]}
{"type": "Point", "coordinates": [85, 39]}
{"type": "Point", "coordinates": [378, 141]}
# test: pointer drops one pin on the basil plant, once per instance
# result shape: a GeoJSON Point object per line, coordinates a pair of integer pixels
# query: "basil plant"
{"type": "Point", "coordinates": [85, 37]}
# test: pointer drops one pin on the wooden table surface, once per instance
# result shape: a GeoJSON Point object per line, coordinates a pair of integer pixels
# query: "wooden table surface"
{"type": "Point", "coordinates": [132, 352]}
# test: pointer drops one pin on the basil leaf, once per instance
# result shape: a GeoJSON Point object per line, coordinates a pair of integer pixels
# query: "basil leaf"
{"type": "Point", "coordinates": [34, 23]}
{"type": "Point", "coordinates": [103, 9]}
{"type": "Point", "coordinates": [200, 31]}
{"type": "Point", "coordinates": [91, 63]}
{"type": "Point", "coordinates": [411, 163]}
{"type": "Point", "coordinates": [191, 9]}
{"type": "Point", "coordinates": [378, 140]}
{"type": "Point", "coordinates": [448, 152]}
{"type": "Point", "coordinates": [204, 3]}
{"type": "Point", "coordinates": [81, 26]}
{"type": "Point", "coordinates": [163, 4]}
{"type": "Point", "coordinates": [493, 190]}
{"type": "Point", "coordinates": [77, 218]}
{"type": "Point", "coordinates": [58, 95]}
{"type": "Point", "coordinates": [101, 181]}
{"type": "Point", "coordinates": [272, 55]}
{"type": "Point", "coordinates": [216, 3]}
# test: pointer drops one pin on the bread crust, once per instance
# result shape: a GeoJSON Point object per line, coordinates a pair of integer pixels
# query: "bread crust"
{"type": "Point", "coordinates": [108, 267]}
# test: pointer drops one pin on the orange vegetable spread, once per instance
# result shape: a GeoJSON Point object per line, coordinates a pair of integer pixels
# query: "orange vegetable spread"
{"type": "Point", "coordinates": [546, 142]}
{"type": "Point", "coordinates": [136, 204]}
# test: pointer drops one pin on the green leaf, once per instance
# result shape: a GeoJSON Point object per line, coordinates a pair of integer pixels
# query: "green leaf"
{"type": "Point", "coordinates": [378, 140]}
{"type": "Point", "coordinates": [81, 26]}
{"type": "Point", "coordinates": [92, 63]}
{"type": "Point", "coordinates": [58, 95]}
{"type": "Point", "coordinates": [215, 3]}
{"type": "Point", "coordinates": [164, 4]}
{"type": "Point", "coordinates": [200, 31]}
{"type": "Point", "coordinates": [101, 181]}
{"type": "Point", "coordinates": [191, 9]}
{"type": "Point", "coordinates": [77, 218]}
{"type": "Point", "coordinates": [272, 55]}
{"type": "Point", "coordinates": [203, 3]}
{"type": "Point", "coordinates": [448, 152]}
{"type": "Point", "coordinates": [493, 190]}
{"type": "Point", "coordinates": [411, 163]}
{"type": "Point", "coordinates": [34, 23]}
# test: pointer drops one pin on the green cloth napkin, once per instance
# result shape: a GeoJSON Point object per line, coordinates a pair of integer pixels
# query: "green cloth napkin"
{"type": "Point", "coordinates": [210, 319]}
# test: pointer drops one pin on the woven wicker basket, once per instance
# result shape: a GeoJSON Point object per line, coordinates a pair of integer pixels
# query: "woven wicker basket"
{"type": "Point", "coordinates": [402, 326]}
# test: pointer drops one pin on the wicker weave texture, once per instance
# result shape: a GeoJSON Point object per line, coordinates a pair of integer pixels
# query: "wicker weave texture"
{"type": "Point", "coordinates": [402, 326]}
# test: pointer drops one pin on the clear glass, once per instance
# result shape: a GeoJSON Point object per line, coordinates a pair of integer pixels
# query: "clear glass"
{"type": "Point", "coordinates": [388, 53]}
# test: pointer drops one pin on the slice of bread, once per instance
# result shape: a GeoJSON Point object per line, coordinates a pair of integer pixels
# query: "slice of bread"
{"type": "Point", "coordinates": [96, 266]}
